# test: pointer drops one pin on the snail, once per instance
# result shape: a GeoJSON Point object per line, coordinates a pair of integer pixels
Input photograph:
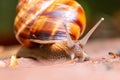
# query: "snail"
{"type": "Point", "coordinates": [53, 25]}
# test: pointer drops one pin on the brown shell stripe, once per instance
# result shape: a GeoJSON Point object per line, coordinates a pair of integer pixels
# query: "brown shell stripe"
{"type": "Point", "coordinates": [21, 13]}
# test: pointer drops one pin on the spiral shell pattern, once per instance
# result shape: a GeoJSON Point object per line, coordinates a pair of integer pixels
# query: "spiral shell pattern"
{"type": "Point", "coordinates": [43, 20]}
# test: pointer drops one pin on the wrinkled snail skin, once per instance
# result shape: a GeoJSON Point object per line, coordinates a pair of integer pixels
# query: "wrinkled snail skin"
{"type": "Point", "coordinates": [54, 25]}
{"type": "Point", "coordinates": [42, 20]}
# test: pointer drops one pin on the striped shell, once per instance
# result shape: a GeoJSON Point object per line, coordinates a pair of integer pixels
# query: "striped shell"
{"type": "Point", "coordinates": [42, 20]}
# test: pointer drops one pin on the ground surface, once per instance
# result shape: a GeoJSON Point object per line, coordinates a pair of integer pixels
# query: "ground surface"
{"type": "Point", "coordinates": [101, 66]}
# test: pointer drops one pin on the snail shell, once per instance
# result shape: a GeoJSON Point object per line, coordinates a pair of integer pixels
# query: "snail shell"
{"type": "Point", "coordinates": [54, 25]}
{"type": "Point", "coordinates": [42, 20]}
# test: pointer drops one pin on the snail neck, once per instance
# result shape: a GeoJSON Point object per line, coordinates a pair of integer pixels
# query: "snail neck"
{"type": "Point", "coordinates": [56, 50]}
{"type": "Point", "coordinates": [60, 47]}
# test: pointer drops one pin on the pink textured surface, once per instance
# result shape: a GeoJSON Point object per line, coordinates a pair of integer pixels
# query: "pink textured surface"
{"type": "Point", "coordinates": [100, 67]}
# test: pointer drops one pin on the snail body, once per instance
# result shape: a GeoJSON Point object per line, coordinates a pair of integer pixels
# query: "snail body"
{"type": "Point", "coordinates": [50, 23]}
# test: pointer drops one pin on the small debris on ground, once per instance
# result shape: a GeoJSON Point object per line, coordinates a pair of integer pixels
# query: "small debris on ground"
{"type": "Point", "coordinates": [13, 61]}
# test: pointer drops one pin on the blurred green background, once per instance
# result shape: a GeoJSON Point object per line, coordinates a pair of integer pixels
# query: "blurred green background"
{"type": "Point", "coordinates": [110, 10]}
